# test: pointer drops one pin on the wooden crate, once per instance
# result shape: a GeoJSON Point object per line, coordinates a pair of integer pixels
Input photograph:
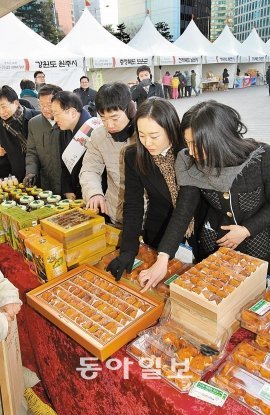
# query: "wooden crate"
{"type": "Point", "coordinates": [11, 375]}
{"type": "Point", "coordinates": [208, 318]}
{"type": "Point", "coordinates": [77, 301]}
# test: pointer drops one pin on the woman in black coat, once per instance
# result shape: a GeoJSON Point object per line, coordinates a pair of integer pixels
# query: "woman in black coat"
{"type": "Point", "coordinates": [231, 174]}
{"type": "Point", "coordinates": [149, 168]}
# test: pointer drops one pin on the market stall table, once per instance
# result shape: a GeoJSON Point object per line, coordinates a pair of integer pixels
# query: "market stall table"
{"type": "Point", "coordinates": [57, 357]}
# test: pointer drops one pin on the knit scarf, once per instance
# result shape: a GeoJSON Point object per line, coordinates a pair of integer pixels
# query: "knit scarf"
{"type": "Point", "coordinates": [14, 126]}
{"type": "Point", "coordinates": [166, 166]}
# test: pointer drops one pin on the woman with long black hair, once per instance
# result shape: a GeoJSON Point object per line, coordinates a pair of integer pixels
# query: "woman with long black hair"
{"type": "Point", "coordinates": [231, 174]}
{"type": "Point", "coordinates": [149, 168]}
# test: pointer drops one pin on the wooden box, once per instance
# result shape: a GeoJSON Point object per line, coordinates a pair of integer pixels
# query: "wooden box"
{"type": "Point", "coordinates": [73, 227]}
{"type": "Point", "coordinates": [81, 252]}
{"type": "Point", "coordinates": [47, 255]}
{"type": "Point", "coordinates": [212, 315]}
{"type": "Point", "coordinates": [113, 235]}
{"type": "Point", "coordinates": [94, 310]}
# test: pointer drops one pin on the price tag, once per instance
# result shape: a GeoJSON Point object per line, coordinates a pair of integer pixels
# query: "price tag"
{"type": "Point", "coordinates": [208, 393]}
{"type": "Point", "coordinates": [137, 263]}
{"type": "Point", "coordinates": [265, 392]}
{"type": "Point", "coordinates": [261, 307]}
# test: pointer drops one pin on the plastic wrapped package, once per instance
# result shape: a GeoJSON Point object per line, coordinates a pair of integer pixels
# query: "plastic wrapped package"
{"type": "Point", "coordinates": [244, 387]}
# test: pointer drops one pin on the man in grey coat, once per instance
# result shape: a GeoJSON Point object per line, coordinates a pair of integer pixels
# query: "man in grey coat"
{"type": "Point", "coordinates": [43, 161]}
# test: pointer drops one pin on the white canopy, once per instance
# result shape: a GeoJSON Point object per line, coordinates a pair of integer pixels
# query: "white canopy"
{"type": "Point", "coordinates": [228, 42]}
{"type": "Point", "coordinates": [193, 39]}
{"type": "Point", "coordinates": [151, 42]}
{"type": "Point", "coordinates": [18, 41]}
{"type": "Point", "coordinates": [23, 51]}
{"type": "Point", "coordinates": [90, 39]}
{"type": "Point", "coordinates": [253, 49]}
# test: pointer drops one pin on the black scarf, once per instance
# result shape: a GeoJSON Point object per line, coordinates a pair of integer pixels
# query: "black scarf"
{"type": "Point", "coordinates": [124, 134]}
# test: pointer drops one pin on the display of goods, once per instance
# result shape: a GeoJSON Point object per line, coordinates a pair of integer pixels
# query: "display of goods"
{"type": "Point", "coordinates": [178, 356]}
{"type": "Point", "coordinates": [77, 203]}
{"type": "Point", "coordinates": [98, 313]}
{"type": "Point", "coordinates": [256, 315]}
{"type": "Point", "coordinates": [53, 199]}
{"type": "Point", "coordinates": [47, 257]}
{"type": "Point", "coordinates": [263, 337]}
{"type": "Point", "coordinates": [44, 195]}
{"type": "Point", "coordinates": [144, 259]}
{"type": "Point", "coordinates": [211, 294]}
{"type": "Point", "coordinates": [74, 226]}
{"type": "Point", "coordinates": [251, 357]}
{"type": "Point", "coordinates": [82, 251]}
{"type": "Point", "coordinates": [243, 386]}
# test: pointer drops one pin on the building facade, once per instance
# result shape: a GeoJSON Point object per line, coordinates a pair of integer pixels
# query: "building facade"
{"type": "Point", "coordinates": [222, 13]}
{"type": "Point", "coordinates": [250, 14]}
{"type": "Point", "coordinates": [176, 13]}
{"type": "Point", "coordinates": [78, 7]}
{"type": "Point", "coordinates": [65, 14]}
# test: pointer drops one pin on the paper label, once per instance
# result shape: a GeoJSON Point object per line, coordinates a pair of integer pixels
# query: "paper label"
{"type": "Point", "coordinates": [137, 263]}
{"type": "Point", "coordinates": [171, 279]}
{"type": "Point", "coordinates": [208, 393]}
{"type": "Point", "coordinates": [261, 307]}
{"type": "Point", "coordinates": [77, 146]}
{"type": "Point", "coordinates": [265, 392]}
{"type": "Point", "coordinates": [184, 253]}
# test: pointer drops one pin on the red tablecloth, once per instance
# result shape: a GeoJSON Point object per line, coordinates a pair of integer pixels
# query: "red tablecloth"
{"type": "Point", "coordinates": [56, 357]}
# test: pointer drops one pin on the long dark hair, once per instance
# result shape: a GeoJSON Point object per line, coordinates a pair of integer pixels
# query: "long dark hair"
{"type": "Point", "coordinates": [165, 115]}
{"type": "Point", "coordinates": [217, 132]}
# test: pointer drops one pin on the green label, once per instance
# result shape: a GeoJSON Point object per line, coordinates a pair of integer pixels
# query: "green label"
{"type": "Point", "coordinates": [261, 307]}
{"type": "Point", "coordinates": [171, 279]}
{"type": "Point", "coordinates": [265, 392]}
{"type": "Point", "coordinates": [137, 263]}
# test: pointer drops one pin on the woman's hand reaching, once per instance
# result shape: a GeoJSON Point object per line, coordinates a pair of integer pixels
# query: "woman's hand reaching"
{"type": "Point", "coordinates": [236, 234]}
{"type": "Point", "coordinates": [152, 276]}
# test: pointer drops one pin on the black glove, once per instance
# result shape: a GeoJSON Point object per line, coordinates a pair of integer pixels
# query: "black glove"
{"type": "Point", "coordinates": [123, 262]}
{"type": "Point", "coordinates": [146, 82]}
{"type": "Point", "coordinates": [30, 180]}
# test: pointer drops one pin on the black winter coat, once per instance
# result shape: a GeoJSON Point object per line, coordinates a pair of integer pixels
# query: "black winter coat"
{"type": "Point", "coordinates": [12, 144]}
{"type": "Point", "coordinates": [248, 202]}
{"type": "Point", "coordinates": [159, 207]}
{"type": "Point", "coordinates": [139, 94]}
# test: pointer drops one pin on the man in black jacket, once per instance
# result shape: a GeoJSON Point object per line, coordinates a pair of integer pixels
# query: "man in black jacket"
{"type": "Point", "coordinates": [71, 118]}
{"type": "Point", "coordinates": [86, 93]}
{"type": "Point", "coordinates": [13, 131]}
{"type": "Point", "coordinates": [145, 87]}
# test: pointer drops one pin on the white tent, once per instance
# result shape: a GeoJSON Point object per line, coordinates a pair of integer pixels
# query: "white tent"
{"type": "Point", "coordinates": [253, 49]}
{"type": "Point", "coordinates": [228, 42]}
{"type": "Point", "coordinates": [253, 55]}
{"type": "Point", "coordinates": [23, 51]}
{"type": "Point", "coordinates": [100, 48]}
{"type": "Point", "coordinates": [151, 42]}
{"type": "Point", "coordinates": [214, 59]}
{"type": "Point", "coordinates": [193, 39]}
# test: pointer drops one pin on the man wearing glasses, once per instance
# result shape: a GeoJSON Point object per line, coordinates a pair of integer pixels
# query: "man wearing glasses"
{"type": "Point", "coordinates": [43, 161]}
{"type": "Point", "coordinates": [106, 151]}
{"type": "Point", "coordinates": [39, 77]}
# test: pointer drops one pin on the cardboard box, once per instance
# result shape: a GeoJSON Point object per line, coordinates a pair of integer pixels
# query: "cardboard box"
{"type": "Point", "coordinates": [48, 257]}
{"type": "Point", "coordinates": [100, 314]}
{"type": "Point", "coordinates": [192, 309]}
{"type": "Point", "coordinates": [81, 252]}
{"type": "Point", "coordinates": [74, 227]}
{"type": "Point", "coordinates": [17, 223]}
{"type": "Point", "coordinates": [6, 215]}
{"type": "Point", "coordinates": [94, 259]}
{"type": "Point", "coordinates": [26, 233]}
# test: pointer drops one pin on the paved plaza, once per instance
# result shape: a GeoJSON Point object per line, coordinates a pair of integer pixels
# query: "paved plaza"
{"type": "Point", "coordinates": [252, 103]}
